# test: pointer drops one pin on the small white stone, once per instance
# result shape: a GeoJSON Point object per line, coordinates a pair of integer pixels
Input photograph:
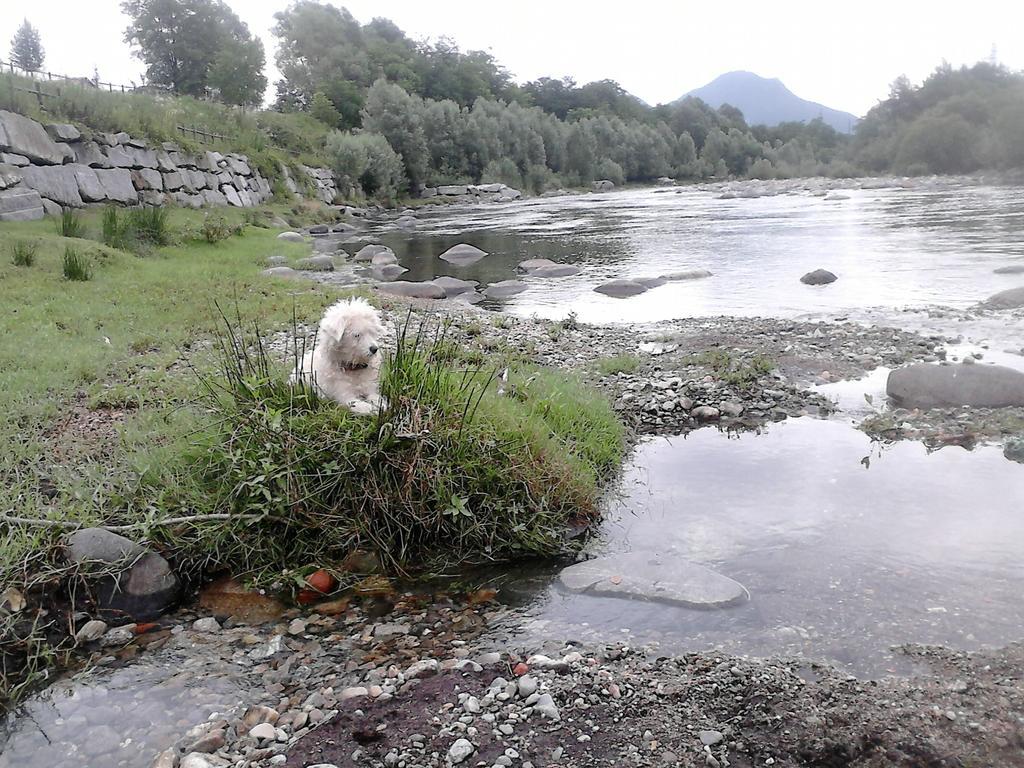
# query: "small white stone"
{"type": "Point", "coordinates": [264, 732]}
{"type": "Point", "coordinates": [460, 750]}
{"type": "Point", "coordinates": [207, 624]}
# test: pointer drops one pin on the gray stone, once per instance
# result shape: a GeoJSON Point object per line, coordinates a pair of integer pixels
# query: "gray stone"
{"type": "Point", "coordinates": [555, 270]}
{"type": "Point", "coordinates": [232, 195]}
{"type": "Point", "coordinates": [508, 195]}
{"type": "Point", "coordinates": [383, 258]}
{"type": "Point", "coordinates": [389, 272]}
{"type": "Point", "coordinates": [413, 290]}
{"type": "Point", "coordinates": [118, 157]}
{"type": "Point", "coordinates": [9, 176]}
{"type": "Point", "coordinates": [453, 286]}
{"type": "Point", "coordinates": [21, 204]}
{"type": "Point", "coordinates": [118, 636]}
{"type": "Point", "coordinates": [147, 178]}
{"type": "Point", "coordinates": [491, 188]}
{"type": "Point", "coordinates": [705, 413]}
{"type": "Point", "coordinates": [206, 624]}
{"type": "Point", "coordinates": [319, 229]}
{"type": "Point", "coordinates": [1012, 269]}
{"type": "Point", "coordinates": [620, 288]}
{"type": "Point", "coordinates": [117, 182]}
{"type": "Point", "coordinates": [122, 137]}
{"type": "Point", "coordinates": [545, 707]}
{"type": "Point", "coordinates": [238, 165]}
{"type": "Point", "coordinates": [924, 385]}
{"type": "Point", "coordinates": [164, 163]}
{"type": "Point", "coordinates": [51, 208]}
{"type": "Point", "coordinates": [462, 255]}
{"type": "Point", "coordinates": [1009, 299]}
{"type": "Point", "coordinates": [531, 264]}
{"type": "Point", "coordinates": [9, 158]}
{"type": "Point", "coordinates": [369, 252]}
{"type": "Point", "coordinates": [460, 751]}
{"type": "Point", "coordinates": [505, 289]}
{"type": "Point", "coordinates": [286, 272]}
{"type": "Point", "coordinates": [428, 192]}
{"type": "Point", "coordinates": [1014, 449]}
{"type": "Point", "coordinates": [663, 578]}
{"type": "Point", "coordinates": [89, 153]}
{"type": "Point", "coordinates": [174, 180]}
{"type": "Point", "coordinates": [56, 183]}
{"type": "Point", "coordinates": [686, 274]}
{"type": "Point", "coordinates": [710, 738]}
{"type": "Point", "coordinates": [63, 132]}
{"type": "Point", "coordinates": [322, 263]}
{"type": "Point", "coordinates": [199, 760]}
{"type": "Point", "coordinates": [213, 197]}
{"type": "Point", "coordinates": [453, 190]}
{"type": "Point", "coordinates": [527, 686]}
{"type": "Point", "coordinates": [188, 200]}
{"type": "Point", "coordinates": [210, 161]}
{"type": "Point", "coordinates": [152, 197]}
{"type": "Point", "coordinates": [129, 579]}
{"type": "Point", "coordinates": [818, 277]}
{"type": "Point", "coordinates": [68, 152]}
{"type": "Point", "coordinates": [90, 632]}
{"type": "Point", "coordinates": [89, 186]}
{"type": "Point", "coordinates": [603, 185]}
{"type": "Point", "coordinates": [22, 136]}
{"type": "Point", "coordinates": [291, 237]}
{"type": "Point", "coordinates": [407, 222]}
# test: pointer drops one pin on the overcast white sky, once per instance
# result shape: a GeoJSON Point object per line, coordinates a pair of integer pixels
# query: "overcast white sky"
{"type": "Point", "coordinates": [843, 55]}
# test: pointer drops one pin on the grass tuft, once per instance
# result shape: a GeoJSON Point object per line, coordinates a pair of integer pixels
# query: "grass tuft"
{"type": "Point", "coordinates": [149, 225]}
{"type": "Point", "coordinates": [70, 224]}
{"type": "Point", "coordinates": [76, 266]}
{"type": "Point", "coordinates": [23, 253]}
{"type": "Point", "coordinates": [609, 366]}
{"type": "Point", "coordinates": [452, 471]}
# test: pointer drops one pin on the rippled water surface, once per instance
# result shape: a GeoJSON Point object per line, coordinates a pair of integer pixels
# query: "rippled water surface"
{"type": "Point", "coordinates": [936, 243]}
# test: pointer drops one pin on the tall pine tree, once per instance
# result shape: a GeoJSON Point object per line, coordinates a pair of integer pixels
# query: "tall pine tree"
{"type": "Point", "coordinates": [26, 48]}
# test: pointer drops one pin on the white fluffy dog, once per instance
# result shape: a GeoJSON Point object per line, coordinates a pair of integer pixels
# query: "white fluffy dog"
{"type": "Point", "coordinates": [345, 360]}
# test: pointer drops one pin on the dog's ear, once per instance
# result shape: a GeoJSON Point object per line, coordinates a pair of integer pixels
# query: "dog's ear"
{"type": "Point", "coordinates": [332, 327]}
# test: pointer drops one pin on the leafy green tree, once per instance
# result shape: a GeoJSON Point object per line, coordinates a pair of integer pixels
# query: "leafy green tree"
{"type": "Point", "coordinates": [26, 48]}
{"type": "Point", "coordinates": [397, 116]}
{"type": "Point", "coordinates": [236, 74]}
{"type": "Point", "coordinates": [322, 109]}
{"type": "Point", "coordinates": [365, 163]}
{"type": "Point", "coordinates": [180, 41]}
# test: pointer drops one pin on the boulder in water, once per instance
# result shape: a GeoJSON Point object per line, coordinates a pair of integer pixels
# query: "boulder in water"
{"type": "Point", "coordinates": [555, 270]}
{"type": "Point", "coordinates": [389, 272]}
{"type": "Point", "coordinates": [603, 185]}
{"type": "Point", "coordinates": [367, 252]}
{"type": "Point", "coordinates": [818, 277]}
{"type": "Point", "coordinates": [413, 290]}
{"type": "Point", "coordinates": [686, 274]}
{"type": "Point", "coordinates": [383, 258]}
{"type": "Point", "coordinates": [453, 286]}
{"type": "Point", "coordinates": [1010, 299]}
{"type": "Point", "coordinates": [462, 255]}
{"type": "Point", "coordinates": [661, 578]}
{"type": "Point", "coordinates": [504, 289]}
{"type": "Point", "coordinates": [924, 385]}
{"type": "Point", "coordinates": [1012, 269]}
{"type": "Point", "coordinates": [621, 289]}
{"type": "Point", "coordinates": [531, 264]}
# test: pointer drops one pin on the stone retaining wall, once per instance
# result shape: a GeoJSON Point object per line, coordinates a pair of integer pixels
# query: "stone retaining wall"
{"type": "Point", "coordinates": [44, 169]}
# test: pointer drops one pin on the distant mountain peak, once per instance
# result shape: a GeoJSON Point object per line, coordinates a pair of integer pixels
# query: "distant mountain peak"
{"type": "Point", "coordinates": [767, 101]}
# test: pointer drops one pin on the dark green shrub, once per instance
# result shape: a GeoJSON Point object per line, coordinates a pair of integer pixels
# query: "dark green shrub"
{"type": "Point", "coordinates": [70, 224]}
{"type": "Point", "coordinates": [23, 253]}
{"type": "Point", "coordinates": [76, 266]}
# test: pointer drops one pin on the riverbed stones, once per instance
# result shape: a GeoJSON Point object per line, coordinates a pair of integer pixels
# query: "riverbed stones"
{"type": "Point", "coordinates": [531, 264]}
{"type": "Point", "coordinates": [453, 286]}
{"type": "Point", "coordinates": [368, 252]}
{"type": "Point", "coordinates": [129, 580]}
{"type": "Point", "coordinates": [818, 277]}
{"type": "Point", "coordinates": [281, 271]}
{"type": "Point", "coordinates": [384, 258]}
{"type": "Point", "coordinates": [413, 290]}
{"type": "Point", "coordinates": [621, 288]}
{"type": "Point", "coordinates": [389, 272]}
{"type": "Point", "coordinates": [925, 385]}
{"type": "Point", "coordinates": [663, 578]}
{"type": "Point", "coordinates": [505, 289]}
{"type": "Point", "coordinates": [1009, 299]}
{"type": "Point", "coordinates": [460, 750]}
{"type": "Point", "coordinates": [462, 255]}
{"type": "Point", "coordinates": [321, 263]}
{"type": "Point", "coordinates": [23, 136]}
{"type": "Point", "coordinates": [90, 632]}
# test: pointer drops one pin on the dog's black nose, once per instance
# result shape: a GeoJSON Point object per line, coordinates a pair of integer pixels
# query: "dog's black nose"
{"type": "Point", "coordinates": [373, 349]}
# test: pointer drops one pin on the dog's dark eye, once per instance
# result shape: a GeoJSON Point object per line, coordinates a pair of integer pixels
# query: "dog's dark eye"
{"type": "Point", "coordinates": [357, 335]}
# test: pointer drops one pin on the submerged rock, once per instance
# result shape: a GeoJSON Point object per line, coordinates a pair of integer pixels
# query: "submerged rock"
{"type": "Point", "coordinates": [1010, 299]}
{"type": "Point", "coordinates": [603, 185]}
{"type": "Point", "coordinates": [930, 386]}
{"type": "Point", "coordinates": [462, 255]}
{"type": "Point", "coordinates": [818, 277]}
{"type": "Point", "coordinates": [621, 289]}
{"type": "Point", "coordinates": [1012, 269]}
{"type": "Point", "coordinates": [505, 289]}
{"type": "Point", "coordinates": [129, 580]}
{"type": "Point", "coordinates": [367, 252]}
{"type": "Point", "coordinates": [531, 264]}
{"type": "Point", "coordinates": [453, 286]}
{"type": "Point", "coordinates": [555, 270]}
{"type": "Point", "coordinates": [389, 272]}
{"type": "Point", "coordinates": [663, 578]}
{"type": "Point", "coordinates": [686, 274]}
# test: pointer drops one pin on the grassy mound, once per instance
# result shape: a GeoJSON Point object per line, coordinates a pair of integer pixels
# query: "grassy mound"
{"type": "Point", "coordinates": [460, 467]}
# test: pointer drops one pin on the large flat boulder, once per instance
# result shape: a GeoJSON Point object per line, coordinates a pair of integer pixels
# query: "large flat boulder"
{"type": "Point", "coordinates": [531, 264]}
{"type": "Point", "coordinates": [413, 290]}
{"type": "Point", "coordinates": [117, 182]}
{"type": "Point", "coordinates": [555, 270]}
{"type": "Point", "coordinates": [462, 255]}
{"type": "Point", "coordinates": [21, 204]}
{"type": "Point", "coordinates": [662, 578]}
{"type": "Point", "coordinates": [621, 288]}
{"type": "Point", "coordinates": [933, 386]}
{"type": "Point", "coordinates": [453, 286]}
{"type": "Point", "coordinates": [23, 136]}
{"type": "Point", "coordinates": [383, 258]}
{"type": "Point", "coordinates": [1009, 299]}
{"type": "Point", "coordinates": [89, 153]}
{"type": "Point", "coordinates": [128, 580]}
{"type": "Point", "coordinates": [369, 252]}
{"type": "Point", "coordinates": [686, 274]}
{"type": "Point", "coordinates": [89, 186]}
{"type": "Point", "coordinates": [1011, 269]}
{"type": "Point", "coordinates": [63, 132]}
{"type": "Point", "coordinates": [389, 272]}
{"type": "Point", "coordinates": [54, 182]}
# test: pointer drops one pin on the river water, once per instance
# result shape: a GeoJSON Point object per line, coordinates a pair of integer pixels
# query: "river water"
{"type": "Point", "coordinates": [846, 546]}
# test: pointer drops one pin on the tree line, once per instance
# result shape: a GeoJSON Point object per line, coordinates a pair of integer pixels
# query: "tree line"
{"type": "Point", "coordinates": [405, 114]}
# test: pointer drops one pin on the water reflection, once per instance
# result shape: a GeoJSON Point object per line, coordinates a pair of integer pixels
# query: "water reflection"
{"type": "Point", "coordinates": [936, 244]}
{"type": "Point", "coordinates": [847, 546]}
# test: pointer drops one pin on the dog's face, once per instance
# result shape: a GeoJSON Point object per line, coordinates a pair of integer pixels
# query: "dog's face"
{"type": "Point", "coordinates": [351, 331]}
